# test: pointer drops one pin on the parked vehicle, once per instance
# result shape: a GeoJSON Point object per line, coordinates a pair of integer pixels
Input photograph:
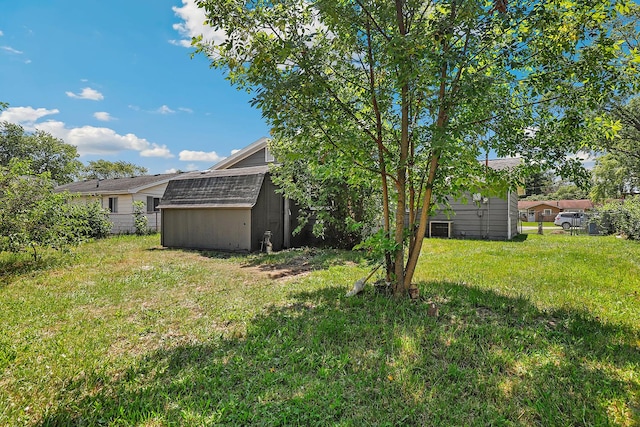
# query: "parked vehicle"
{"type": "Point", "coordinates": [570, 219]}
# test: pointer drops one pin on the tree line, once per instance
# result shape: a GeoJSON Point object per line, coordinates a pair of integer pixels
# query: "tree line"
{"type": "Point", "coordinates": [33, 215]}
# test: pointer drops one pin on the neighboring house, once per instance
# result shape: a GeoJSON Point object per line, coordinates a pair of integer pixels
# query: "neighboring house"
{"type": "Point", "coordinates": [546, 210]}
{"type": "Point", "coordinates": [482, 217]}
{"type": "Point", "coordinates": [229, 207]}
{"type": "Point", "coordinates": [118, 195]}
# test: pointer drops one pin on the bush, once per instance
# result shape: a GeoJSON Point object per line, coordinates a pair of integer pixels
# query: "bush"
{"type": "Point", "coordinates": [140, 219]}
{"type": "Point", "coordinates": [619, 218]}
{"type": "Point", "coordinates": [90, 220]}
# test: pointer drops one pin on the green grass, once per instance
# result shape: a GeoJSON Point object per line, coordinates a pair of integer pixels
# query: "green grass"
{"type": "Point", "coordinates": [535, 224]}
{"type": "Point", "coordinates": [543, 331]}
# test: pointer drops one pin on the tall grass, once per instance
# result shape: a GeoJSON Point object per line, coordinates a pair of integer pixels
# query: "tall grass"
{"type": "Point", "coordinates": [544, 331]}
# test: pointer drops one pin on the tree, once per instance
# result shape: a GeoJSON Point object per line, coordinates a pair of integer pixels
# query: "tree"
{"type": "Point", "coordinates": [538, 182]}
{"type": "Point", "coordinates": [341, 206]}
{"type": "Point", "coordinates": [104, 169]}
{"type": "Point", "coordinates": [412, 92]}
{"type": "Point", "coordinates": [44, 152]}
{"type": "Point", "coordinates": [617, 172]}
{"type": "Point", "coordinates": [31, 214]}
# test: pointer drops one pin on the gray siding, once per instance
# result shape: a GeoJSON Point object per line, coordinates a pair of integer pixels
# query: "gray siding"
{"type": "Point", "coordinates": [220, 229]}
{"type": "Point", "coordinates": [481, 221]}
{"type": "Point", "coordinates": [256, 159]}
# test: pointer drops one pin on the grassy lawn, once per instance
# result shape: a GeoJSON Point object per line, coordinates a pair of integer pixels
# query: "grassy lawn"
{"type": "Point", "coordinates": [543, 331]}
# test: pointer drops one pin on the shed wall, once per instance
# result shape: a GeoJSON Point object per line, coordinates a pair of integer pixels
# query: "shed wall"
{"type": "Point", "coordinates": [220, 229]}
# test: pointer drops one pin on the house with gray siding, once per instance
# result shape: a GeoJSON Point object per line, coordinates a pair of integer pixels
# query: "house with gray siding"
{"type": "Point", "coordinates": [118, 194]}
{"type": "Point", "coordinates": [479, 216]}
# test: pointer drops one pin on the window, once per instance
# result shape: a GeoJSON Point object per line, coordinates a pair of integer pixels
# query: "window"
{"type": "Point", "coordinates": [546, 212]}
{"type": "Point", "coordinates": [113, 204]}
{"type": "Point", "coordinates": [152, 204]}
{"type": "Point", "coordinates": [268, 157]}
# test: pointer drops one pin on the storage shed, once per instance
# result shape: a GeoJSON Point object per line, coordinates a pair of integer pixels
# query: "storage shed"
{"type": "Point", "coordinates": [228, 209]}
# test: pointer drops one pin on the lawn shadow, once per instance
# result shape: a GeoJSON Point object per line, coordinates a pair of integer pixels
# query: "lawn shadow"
{"type": "Point", "coordinates": [324, 359]}
{"type": "Point", "coordinates": [15, 265]}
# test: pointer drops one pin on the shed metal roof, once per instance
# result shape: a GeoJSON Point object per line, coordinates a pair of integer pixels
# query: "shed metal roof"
{"type": "Point", "coordinates": [215, 189]}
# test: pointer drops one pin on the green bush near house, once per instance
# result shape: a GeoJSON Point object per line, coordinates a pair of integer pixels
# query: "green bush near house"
{"type": "Point", "coordinates": [619, 217]}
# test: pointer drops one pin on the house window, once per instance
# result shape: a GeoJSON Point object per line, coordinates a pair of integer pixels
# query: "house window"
{"type": "Point", "coordinates": [268, 157]}
{"type": "Point", "coordinates": [546, 212]}
{"type": "Point", "coordinates": [113, 204]}
{"type": "Point", "coordinates": [152, 204]}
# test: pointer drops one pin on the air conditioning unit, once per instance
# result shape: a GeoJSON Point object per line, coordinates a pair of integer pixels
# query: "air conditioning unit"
{"type": "Point", "coordinates": [441, 229]}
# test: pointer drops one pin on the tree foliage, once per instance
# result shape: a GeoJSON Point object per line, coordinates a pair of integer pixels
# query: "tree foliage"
{"type": "Point", "coordinates": [617, 172]}
{"type": "Point", "coordinates": [104, 169]}
{"type": "Point", "coordinates": [411, 93]}
{"type": "Point", "coordinates": [33, 216]}
{"type": "Point", "coordinates": [619, 217]}
{"type": "Point", "coordinates": [44, 152]}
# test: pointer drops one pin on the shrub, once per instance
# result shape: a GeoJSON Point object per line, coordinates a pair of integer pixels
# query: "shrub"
{"type": "Point", "coordinates": [621, 217]}
{"type": "Point", "coordinates": [90, 220]}
{"type": "Point", "coordinates": [140, 219]}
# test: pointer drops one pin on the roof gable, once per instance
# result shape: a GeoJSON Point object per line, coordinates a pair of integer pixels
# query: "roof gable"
{"type": "Point", "coordinates": [242, 154]}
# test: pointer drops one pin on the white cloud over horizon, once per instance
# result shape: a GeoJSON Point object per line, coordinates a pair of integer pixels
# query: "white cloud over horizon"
{"type": "Point", "coordinates": [11, 50]}
{"type": "Point", "coordinates": [165, 110]}
{"type": "Point", "coordinates": [103, 116]}
{"type": "Point", "coordinates": [199, 156]}
{"type": "Point", "coordinates": [25, 116]}
{"type": "Point", "coordinates": [192, 25]}
{"type": "Point", "coordinates": [87, 139]}
{"type": "Point", "coordinates": [86, 93]}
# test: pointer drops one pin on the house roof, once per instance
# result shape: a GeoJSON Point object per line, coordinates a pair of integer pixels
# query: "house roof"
{"type": "Point", "coordinates": [247, 151]}
{"type": "Point", "coordinates": [582, 204]}
{"type": "Point", "coordinates": [502, 164]}
{"type": "Point", "coordinates": [229, 188]}
{"type": "Point", "coordinates": [116, 185]}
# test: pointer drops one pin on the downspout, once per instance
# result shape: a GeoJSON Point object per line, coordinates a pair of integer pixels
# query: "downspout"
{"type": "Point", "coordinates": [509, 236]}
{"type": "Point", "coordinates": [287, 224]}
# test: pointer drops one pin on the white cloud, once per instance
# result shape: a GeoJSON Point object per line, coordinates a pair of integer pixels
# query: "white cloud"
{"type": "Point", "coordinates": [192, 25]}
{"type": "Point", "coordinates": [172, 170]}
{"type": "Point", "coordinates": [199, 156]}
{"type": "Point", "coordinates": [192, 167]}
{"type": "Point", "coordinates": [87, 93]}
{"type": "Point", "coordinates": [1, 33]}
{"type": "Point", "coordinates": [165, 110]}
{"type": "Point", "coordinates": [157, 151]}
{"type": "Point", "coordinates": [103, 116]}
{"type": "Point", "coordinates": [101, 140]}
{"type": "Point", "coordinates": [25, 116]}
{"type": "Point", "coordinates": [11, 50]}
{"type": "Point", "coordinates": [234, 151]}
{"type": "Point", "coordinates": [88, 139]}
{"type": "Point", "coordinates": [185, 110]}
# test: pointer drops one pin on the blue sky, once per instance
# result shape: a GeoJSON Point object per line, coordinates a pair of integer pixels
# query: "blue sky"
{"type": "Point", "coordinates": [115, 78]}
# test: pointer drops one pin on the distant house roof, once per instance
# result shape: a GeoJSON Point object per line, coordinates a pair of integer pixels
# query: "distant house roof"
{"type": "Point", "coordinates": [116, 185]}
{"type": "Point", "coordinates": [583, 204]}
{"type": "Point", "coordinates": [227, 188]}
{"type": "Point", "coordinates": [502, 164]}
{"type": "Point", "coordinates": [242, 154]}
